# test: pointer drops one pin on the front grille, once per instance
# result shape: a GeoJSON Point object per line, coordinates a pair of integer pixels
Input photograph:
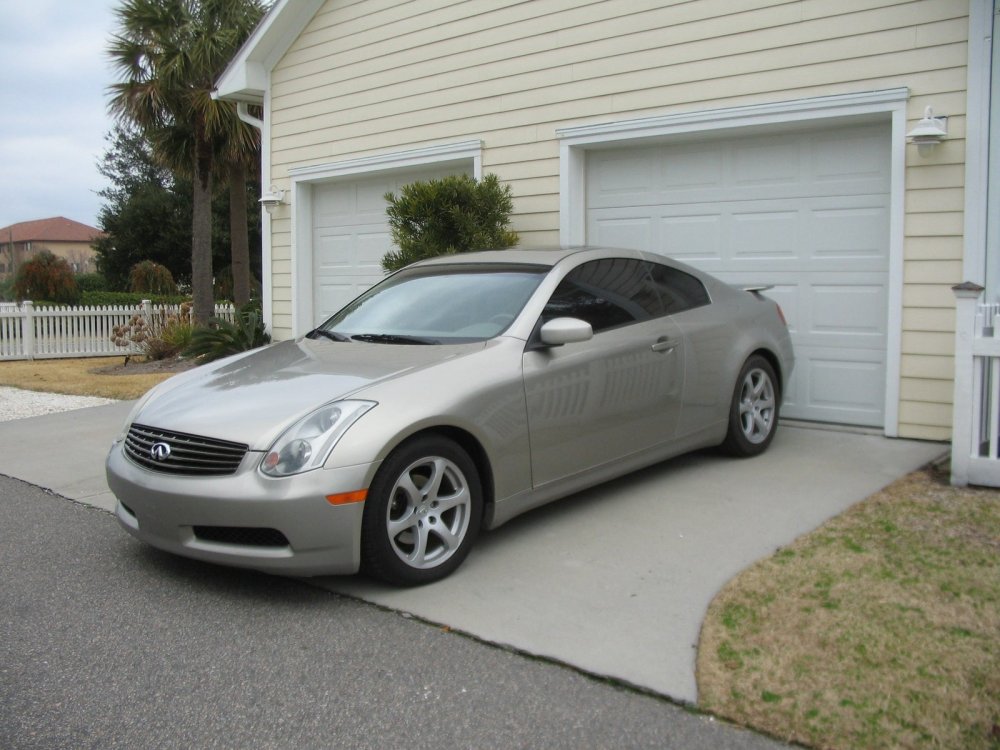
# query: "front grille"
{"type": "Point", "coordinates": [187, 455]}
{"type": "Point", "coordinates": [242, 535]}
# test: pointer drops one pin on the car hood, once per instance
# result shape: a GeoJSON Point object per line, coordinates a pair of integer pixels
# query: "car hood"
{"type": "Point", "coordinates": [252, 398]}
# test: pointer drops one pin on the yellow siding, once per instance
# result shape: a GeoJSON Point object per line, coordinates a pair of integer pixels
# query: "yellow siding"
{"type": "Point", "coordinates": [927, 367]}
{"type": "Point", "coordinates": [378, 76]}
{"type": "Point", "coordinates": [929, 319]}
{"type": "Point", "coordinates": [926, 391]}
{"type": "Point", "coordinates": [934, 248]}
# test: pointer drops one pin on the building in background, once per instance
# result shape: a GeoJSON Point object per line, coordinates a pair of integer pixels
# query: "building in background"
{"type": "Point", "coordinates": [63, 237]}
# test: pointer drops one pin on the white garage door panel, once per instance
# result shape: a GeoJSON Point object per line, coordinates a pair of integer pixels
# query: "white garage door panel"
{"type": "Point", "coordinates": [344, 265]}
{"type": "Point", "coordinates": [807, 213]}
{"type": "Point", "coordinates": [838, 390]}
{"type": "Point", "coordinates": [350, 235]}
{"type": "Point", "coordinates": [854, 311]}
{"type": "Point", "coordinates": [818, 233]}
{"type": "Point", "coordinates": [762, 235]}
{"type": "Point", "coordinates": [849, 232]}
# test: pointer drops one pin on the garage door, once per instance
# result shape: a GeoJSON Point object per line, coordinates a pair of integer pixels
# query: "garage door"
{"type": "Point", "coordinates": [806, 212]}
{"type": "Point", "coordinates": [350, 235]}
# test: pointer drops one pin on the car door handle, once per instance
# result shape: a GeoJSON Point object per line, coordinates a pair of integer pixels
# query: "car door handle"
{"type": "Point", "coordinates": [663, 345]}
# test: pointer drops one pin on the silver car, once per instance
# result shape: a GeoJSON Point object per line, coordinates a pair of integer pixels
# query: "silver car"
{"type": "Point", "coordinates": [454, 395]}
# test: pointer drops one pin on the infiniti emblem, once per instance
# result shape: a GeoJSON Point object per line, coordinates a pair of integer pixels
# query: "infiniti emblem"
{"type": "Point", "coordinates": [159, 451]}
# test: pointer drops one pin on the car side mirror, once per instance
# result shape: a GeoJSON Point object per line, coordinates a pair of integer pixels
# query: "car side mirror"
{"type": "Point", "coordinates": [559, 331]}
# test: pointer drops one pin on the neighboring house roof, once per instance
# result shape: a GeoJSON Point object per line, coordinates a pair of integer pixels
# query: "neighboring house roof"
{"type": "Point", "coordinates": [245, 78]}
{"type": "Point", "coordinates": [56, 229]}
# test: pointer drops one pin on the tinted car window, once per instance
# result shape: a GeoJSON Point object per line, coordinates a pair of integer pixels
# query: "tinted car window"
{"type": "Point", "coordinates": [678, 291]}
{"type": "Point", "coordinates": [607, 294]}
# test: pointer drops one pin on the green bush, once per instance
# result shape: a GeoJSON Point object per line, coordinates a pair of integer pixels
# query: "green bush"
{"type": "Point", "coordinates": [222, 338]}
{"type": "Point", "coordinates": [177, 335]}
{"type": "Point", "coordinates": [47, 277]}
{"type": "Point", "coordinates": [451, 215]}
{"type": "Point", "coordinates": [96, 299]}
{"type": "Point", "coordinates": [92, 282]}
{"type": "Point", "coordinates": [147, 277]}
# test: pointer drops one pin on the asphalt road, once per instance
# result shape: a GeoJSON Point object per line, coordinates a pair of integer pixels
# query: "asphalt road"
{"type": "Point", "coordinates": [106, 643]}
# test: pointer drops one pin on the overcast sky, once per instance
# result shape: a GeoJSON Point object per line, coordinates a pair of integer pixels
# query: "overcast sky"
{"type": "Point", "coordinates": [54, 76]}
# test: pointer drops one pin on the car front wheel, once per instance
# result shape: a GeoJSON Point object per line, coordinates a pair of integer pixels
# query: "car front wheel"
{"type": "Point", "coordinates": [753, 413]}
{"type": "Point", "coordinates": [422, 514]}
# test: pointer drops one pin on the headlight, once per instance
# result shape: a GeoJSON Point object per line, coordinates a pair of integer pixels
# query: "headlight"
{"type": "Point", "coordinates": [307, 443]}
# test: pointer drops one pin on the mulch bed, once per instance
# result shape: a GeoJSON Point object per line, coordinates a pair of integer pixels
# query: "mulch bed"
{"type": "Point", "coordinates": [140, 366]}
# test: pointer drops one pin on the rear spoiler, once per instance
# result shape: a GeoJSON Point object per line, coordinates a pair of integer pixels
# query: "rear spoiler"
{"type": "Point", "coordinates": [756, 292]}
{"type": "Point", "coordinates": [758, 289]}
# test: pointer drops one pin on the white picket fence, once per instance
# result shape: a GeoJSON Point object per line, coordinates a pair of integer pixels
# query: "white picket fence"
{"type": "Point", "coordinates": [27, 332]}
{"type": "Point", "coordinates": [975, 442]}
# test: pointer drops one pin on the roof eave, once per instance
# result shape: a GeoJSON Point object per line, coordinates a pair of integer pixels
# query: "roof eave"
{"type": "Point", "coordinates": [245, 79]}
{"type": "Point", "coordinates": [245, 83]}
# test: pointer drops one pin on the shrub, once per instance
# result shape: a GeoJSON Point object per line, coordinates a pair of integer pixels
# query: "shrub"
{"type": "Point", "coordinates": [177, 334]}
{"type": "Point", "coordinates": [221, 338]}
{"type": "Point", "coordinates": [92, 282]}
{"type": "Point", "coordinates": [46, 277]}
{"type": "Point", "coordinates": [136, 332]}
{"type": "Point", "coordinates": [162, 336]}
{"type": "Point", "coordinates": [151, 278]}
{"type": "Point", "coordinates": [451, 215]}
{"type": "Point", "coordinates": [129, 299]}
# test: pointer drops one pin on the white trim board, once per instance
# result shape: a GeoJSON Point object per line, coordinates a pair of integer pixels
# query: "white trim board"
{"type": "Point", "coordinates": [977, 138]}
{"type": "Point", "coordinates": [431, 155]}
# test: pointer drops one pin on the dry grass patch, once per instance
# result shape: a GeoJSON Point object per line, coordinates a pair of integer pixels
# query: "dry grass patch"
{"type": "Point", "coordinates": [93, 376]}
{"type": "Point", "coordinates": [881, 629]}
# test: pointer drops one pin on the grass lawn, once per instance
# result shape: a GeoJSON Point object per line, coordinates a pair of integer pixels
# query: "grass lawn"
{"type": "Point", "coordinates": [90, 376]}
{"type": "Point", "coordinates": [881, 629]}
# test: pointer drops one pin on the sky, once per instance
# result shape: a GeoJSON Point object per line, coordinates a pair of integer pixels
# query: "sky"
{"type": "Point", "coordinates": [54, 75]}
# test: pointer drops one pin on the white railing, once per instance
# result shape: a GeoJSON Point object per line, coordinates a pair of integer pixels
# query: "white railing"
{"type": "Point", "coordinates": [975, 442]}
{"type": "Point", "coordinates": [27, 332]}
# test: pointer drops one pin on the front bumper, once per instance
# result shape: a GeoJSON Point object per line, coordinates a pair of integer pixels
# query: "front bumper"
{"type": "Point", "coordinates": [185, 515]}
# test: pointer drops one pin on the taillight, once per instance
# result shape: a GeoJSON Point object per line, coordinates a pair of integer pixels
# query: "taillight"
{"type": "Point", "coordinates": [781, 315]}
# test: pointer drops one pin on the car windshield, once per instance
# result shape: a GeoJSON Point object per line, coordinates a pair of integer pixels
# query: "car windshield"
{"type": "Point", "coordinates": [460, 303]}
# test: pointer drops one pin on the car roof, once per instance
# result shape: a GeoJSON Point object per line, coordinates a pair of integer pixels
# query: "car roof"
{"type": "Point", "coordinates": [543, 256]}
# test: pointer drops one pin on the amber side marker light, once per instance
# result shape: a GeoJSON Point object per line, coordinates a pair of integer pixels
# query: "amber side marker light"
{"type": "Point", "coordinates": [346, 498]}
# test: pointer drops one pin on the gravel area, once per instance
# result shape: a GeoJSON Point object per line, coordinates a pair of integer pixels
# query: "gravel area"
{"type": "Point", "coordinates": [18, 404]}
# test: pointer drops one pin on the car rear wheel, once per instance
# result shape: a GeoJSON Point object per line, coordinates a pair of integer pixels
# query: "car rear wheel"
{"type": "Point", "coordinates": [422, 514]}
{"type": "Point", "coordinates": [753, 414]}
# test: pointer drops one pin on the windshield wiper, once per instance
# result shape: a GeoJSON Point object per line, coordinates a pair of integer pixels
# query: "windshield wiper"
{"type": "Point", "coordinates": [390, 338]}
{"type": "Point", "coordinates": [332, 335]}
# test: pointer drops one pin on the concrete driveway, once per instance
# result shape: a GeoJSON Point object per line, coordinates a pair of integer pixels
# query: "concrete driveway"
{"type": "Point", "coordinates": [614, 581]}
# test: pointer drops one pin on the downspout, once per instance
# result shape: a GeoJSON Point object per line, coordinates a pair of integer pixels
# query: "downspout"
{"type": "Point", "coordinates": [243, 112]}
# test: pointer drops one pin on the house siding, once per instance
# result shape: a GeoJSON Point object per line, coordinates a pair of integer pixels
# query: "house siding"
{"type": "Point", "coordinates": [378, 76]}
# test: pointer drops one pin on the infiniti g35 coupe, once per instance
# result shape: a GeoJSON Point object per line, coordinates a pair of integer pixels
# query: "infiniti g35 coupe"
{"type": "Point", "coordinates": [447, 399]}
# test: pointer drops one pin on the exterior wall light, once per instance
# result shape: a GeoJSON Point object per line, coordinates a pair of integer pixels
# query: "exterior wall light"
{"type": "Point", "coordinates": [930, 131]}
{"type": "Point", "coordinates": [273, 198]}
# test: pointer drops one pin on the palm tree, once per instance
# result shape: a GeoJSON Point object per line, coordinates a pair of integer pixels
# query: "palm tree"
{"type": "Point", "coordinates": [240, 154]}
{"type": "Point", "coordinates": [168, 54]}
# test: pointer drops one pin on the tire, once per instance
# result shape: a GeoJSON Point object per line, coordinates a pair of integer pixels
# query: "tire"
{"type": "Point", "coordinates": [753, 413]}
{"type": "Point", "coordinates": [422, 514]}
